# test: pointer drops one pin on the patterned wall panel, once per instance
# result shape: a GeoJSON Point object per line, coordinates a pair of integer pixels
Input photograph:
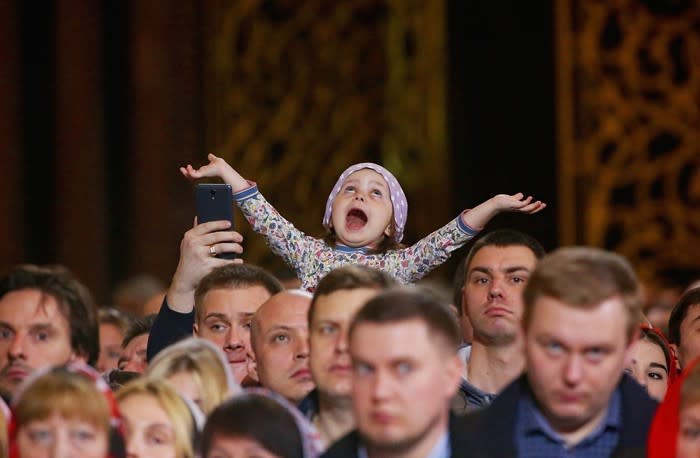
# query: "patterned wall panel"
{"type": "Point", "coordinates": [298, 90]}
{"type": "Point", "coordinates": [629, 123]}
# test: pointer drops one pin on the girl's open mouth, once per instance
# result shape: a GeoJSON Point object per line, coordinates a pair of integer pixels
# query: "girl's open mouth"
{"type": "Point", "coordinates": [356, 219]}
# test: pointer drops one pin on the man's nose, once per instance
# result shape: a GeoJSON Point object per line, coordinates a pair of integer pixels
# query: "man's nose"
{"type": "Point", "coordinates": [573, 369]}
{"type": "Point", "coordinates": [16, 349]}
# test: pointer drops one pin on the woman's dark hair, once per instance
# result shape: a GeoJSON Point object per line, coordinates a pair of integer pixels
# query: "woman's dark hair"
{"type": "Point", "coordinates": [255, 417]}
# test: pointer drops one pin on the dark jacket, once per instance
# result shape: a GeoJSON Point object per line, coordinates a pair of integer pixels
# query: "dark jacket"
{"type": "Point", "coordinates": [490, 432]}
{"type": "Point", "coordinates": [170, 327]}
{"type": "Point", "coordinates": [347, 446]}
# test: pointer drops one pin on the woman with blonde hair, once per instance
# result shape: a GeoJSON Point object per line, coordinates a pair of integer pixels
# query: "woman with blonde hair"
{"type": "Point", "coordinates": [158, 422]}
{"type": "Point", "coordinates": [196, 369]}
{"type": "Point", "coordinates": [65, 411]}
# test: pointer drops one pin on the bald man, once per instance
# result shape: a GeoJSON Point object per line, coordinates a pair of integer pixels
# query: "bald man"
{"type": "Point", "coordinates": [280, 343]}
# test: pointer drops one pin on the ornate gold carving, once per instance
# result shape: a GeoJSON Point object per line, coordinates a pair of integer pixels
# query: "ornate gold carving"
{"type": "Point", "coordinates": [629, 94]}
{"type": "Point", "coordinates": [298, 90]}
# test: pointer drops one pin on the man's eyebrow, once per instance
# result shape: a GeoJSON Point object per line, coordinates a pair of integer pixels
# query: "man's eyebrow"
{"type": "Point", "coordinates": [279, 327]}
{"type": "Point", "coordinates": [6, 325]}
{"type": "Point", "coordinates": [220, 316]}
{"type": "Point", "coordinates": [508, 270]}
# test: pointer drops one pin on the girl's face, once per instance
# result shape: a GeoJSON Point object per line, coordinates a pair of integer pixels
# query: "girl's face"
{"type": "Point", "coordinates": [647, 364]}
{"type": "Point", "coordinates": [362, 211]}
{"type": "Point", "coordinates": [149, 431]}
{"type": "Point", "coordinates": [60, 436]}
{"type": "Point", "coordinates": [688, 442]}
{"type": "Point", "coordinates": [237, 447]}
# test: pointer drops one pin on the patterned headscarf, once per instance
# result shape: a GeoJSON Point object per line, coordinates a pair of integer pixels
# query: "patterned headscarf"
{"type": "Point", "coordinates": [398, 198]}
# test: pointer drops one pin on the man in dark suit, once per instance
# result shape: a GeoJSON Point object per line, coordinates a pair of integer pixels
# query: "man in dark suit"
{"type": "Point", "coordinates": [403, 345]}
{"type": "Point", "coordinates": [582, 309]}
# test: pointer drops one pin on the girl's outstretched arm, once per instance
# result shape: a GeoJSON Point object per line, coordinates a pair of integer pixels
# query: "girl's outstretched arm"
{"type": "Point", "coordinates": [478, 216]}
{"type": "Point", "coordinates": [217, 167]}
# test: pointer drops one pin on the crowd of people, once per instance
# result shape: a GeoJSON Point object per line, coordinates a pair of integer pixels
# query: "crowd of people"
{"type": "Point", "coordinates": [541, 355]}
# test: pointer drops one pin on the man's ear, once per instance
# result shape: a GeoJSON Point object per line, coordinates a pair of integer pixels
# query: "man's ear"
{"type": "Point", "coordinates": [252, 366]}
{"type": "Point", "coordinates": [195, 329]}
{"type": "Point", "coordinates": [454, 368]}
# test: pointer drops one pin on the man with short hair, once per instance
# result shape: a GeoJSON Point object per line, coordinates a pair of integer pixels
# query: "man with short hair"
{"type": "Point", "coordinates": [683, 327]}
{"type": "Point", "coordinates": [47, 318]}
{"type": "Point", "coordinates": [279, 337]}
{"type": "Point", "coordinates": [337, 298]}
{"type": "Point", "coordinates": [582, 313]}
{"type": "Point", "coordinates": [133, 357]}
{"type": "Point", "coordinates": [403, 344]}
{"type": "Point", "coordinates": [224, 293]}
{"type": "Point", "coordinates": [494, 274]}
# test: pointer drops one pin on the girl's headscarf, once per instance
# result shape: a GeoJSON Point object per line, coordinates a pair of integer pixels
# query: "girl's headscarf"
{"type": "Point", "coordinates": [398, 198]}
{"type": "Point", "coordinates": [663, 434]}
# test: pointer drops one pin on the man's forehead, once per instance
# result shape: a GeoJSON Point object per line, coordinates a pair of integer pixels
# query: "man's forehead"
{"type": "Point", "coordinates": [494, 255]}
{"type": "Point", "coordinates": [29, 305]}
{"type": "Point", "coordinates": [391, 340]}
{"type": "Point", "coordinates": [243, 297]}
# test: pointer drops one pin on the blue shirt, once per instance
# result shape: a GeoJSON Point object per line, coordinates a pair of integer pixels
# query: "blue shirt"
{"type": "Point", "coordinates": [440, 450]}
{"type": "Point", "coordinates": [534, 437]}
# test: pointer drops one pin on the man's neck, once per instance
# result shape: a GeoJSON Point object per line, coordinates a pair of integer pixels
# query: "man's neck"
{"type": "Point", "coordinates": [334, 418]}
{"type": "Point", "coordinates": [491, 367]}
{"type": "Point", "coordinates": [419, 450]}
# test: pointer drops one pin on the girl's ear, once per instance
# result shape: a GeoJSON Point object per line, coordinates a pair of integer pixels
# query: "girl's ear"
{"type": "Point", "coordinates": [389, 231]}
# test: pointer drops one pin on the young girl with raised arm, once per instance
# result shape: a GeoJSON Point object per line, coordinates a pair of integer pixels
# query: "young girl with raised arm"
{"type": "Point", "coordinates": [365, 219]}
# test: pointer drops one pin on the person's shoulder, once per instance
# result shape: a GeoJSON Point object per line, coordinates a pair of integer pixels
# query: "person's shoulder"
{"type": "Point", "coordinates": [345, 447]}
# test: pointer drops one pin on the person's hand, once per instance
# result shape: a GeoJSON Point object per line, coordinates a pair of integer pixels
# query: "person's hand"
{"type": "Point", "coordinates": [197, 260]}
{"type": "Point", "coordinates": [477, 217]}
{"type": "Point", "coordinates": [217, 167]}
{"type": "Point", "coordinates": [517, 203]}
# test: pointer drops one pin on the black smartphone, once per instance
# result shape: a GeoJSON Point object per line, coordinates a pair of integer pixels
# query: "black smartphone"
{"type": "Point", "coordinates": [215, 203]}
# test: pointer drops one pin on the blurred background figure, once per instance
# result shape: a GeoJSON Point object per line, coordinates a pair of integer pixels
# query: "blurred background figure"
{"type": "Point", "coordinates": [158, 422]}
{"type": "Point", "coordinates": [132, 294]}
{"type": "Point", "coordinates": [113, 326]}
{"type": "Point", "coordinates": [135, 344]}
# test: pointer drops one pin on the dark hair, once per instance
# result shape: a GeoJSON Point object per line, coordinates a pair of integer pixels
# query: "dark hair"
{"type": "Point", "coordinates": [656, 337]}
{"type": "Point", "coordinates": [74, 300]}
{"type": "Point", "coordinates": [115, 317]}
{"type": "Point", "coordinates": [498, 238]}
{"type": "Point", "coordinates": [406, 303]}
{"type": "Point", "coordinates": [138, 327]}
{"type": "Point", "coordinates": [235, 276]}
{"type": "Point", "coordinates": [256, 417]}
{"type": "Point", "coordinates": [679, 312]}
{"type": "Point", "coordinates": [583, 277]}
{"type": "Point", "coordinates": [353, 276]}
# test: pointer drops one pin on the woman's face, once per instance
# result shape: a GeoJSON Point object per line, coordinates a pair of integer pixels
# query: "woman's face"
{"type": "Point", "coordinates": [149, 431]}
{"type": "Point", "coordinates": [237, 447]}
{"type": "Point", "coordinates": [688, 442]}
{"type": "Point", "coordinates": [647, 365]}
{"type": "Point", "coordinates": [186, 385]}
{"type": "Point", "coordinates": [60, 436]}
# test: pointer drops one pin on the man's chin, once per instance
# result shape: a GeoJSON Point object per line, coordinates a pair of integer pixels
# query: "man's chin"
{"type": "Point", "coordinates": [239, 370]}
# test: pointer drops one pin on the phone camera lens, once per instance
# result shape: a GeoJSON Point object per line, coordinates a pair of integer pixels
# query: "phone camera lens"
{"type": "Point", "coordinates": [212, 192]}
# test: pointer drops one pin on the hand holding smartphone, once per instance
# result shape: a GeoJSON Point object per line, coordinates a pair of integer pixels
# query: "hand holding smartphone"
{"type": "Point", "coordinates": [215, 203]}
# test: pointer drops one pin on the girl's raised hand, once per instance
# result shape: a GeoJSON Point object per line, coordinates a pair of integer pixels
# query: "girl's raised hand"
{"type": "Point", "coordinates": [517, 203]}
{"type": "Point", "coordinates": [217, 167]}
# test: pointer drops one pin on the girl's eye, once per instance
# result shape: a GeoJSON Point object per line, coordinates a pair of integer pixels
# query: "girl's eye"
{"type": "Point", "coordinates": [377, 193]}
{"type": "Point", "coordinates": [655, 375]}
{"type": "Point", "coordinates": [349, 188]}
